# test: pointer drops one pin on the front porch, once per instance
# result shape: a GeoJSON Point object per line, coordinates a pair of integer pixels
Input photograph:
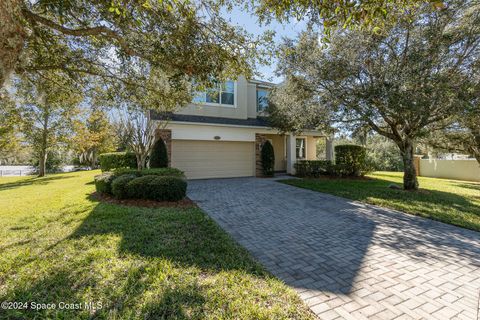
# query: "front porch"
{"type": "Point", "coordinates": [289, 148]}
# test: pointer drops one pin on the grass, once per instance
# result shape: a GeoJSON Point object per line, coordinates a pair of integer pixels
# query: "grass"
{"type": "Point", "coordinates": [58, 244]}
{"type": "Point", "coordinates": [449, 201]}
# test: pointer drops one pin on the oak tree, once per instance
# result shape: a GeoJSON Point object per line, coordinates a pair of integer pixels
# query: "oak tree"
{"type": "Point", "coordinates": [403, 83]}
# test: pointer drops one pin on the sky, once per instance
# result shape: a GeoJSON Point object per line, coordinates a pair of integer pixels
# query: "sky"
{"type": "Point", "coordinates": [250, 24]}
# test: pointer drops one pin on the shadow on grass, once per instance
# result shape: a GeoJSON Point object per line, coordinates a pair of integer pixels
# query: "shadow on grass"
{"type": "Point", "coordinates": [68, 286]}
{"type": "Point", "coordinates": [438, 205]}
{"type": "Point", "coordinates": [32, 181]}
{"type": "Point", "coordinates": [473, 186]}
{"type": "Point", "coordinates": [185, 237]}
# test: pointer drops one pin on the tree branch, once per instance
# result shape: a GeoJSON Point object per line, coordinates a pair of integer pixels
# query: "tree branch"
{"type": "Point", "coordinates": [92, 31]}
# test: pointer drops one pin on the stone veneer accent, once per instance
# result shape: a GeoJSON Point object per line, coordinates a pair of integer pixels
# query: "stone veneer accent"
{"type": "Point", "coordinates": [259, 141]}
{"type": "Point", "coordinates": [166, 136]}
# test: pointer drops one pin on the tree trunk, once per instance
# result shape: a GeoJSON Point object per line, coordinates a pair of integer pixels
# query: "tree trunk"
{"type": "Point", "coordinates": [12, 37]}
{"type": "Point", "coordinates": [410, 181]}
{"type": "Point", "coordinates": [42, 163]}
{"type": "Point", "coordinates": [141, 161]}
{"type": "Point", "coordinates": [476, 149]}
{"type": "Point", "coordinates": [94, 160]}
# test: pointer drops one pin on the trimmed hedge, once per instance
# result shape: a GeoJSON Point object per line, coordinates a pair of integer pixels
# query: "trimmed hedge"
{"type": "Point", "coordinates": [159, 155]}
{"type": "Point", "coordinates": [119, 186]}
{"type": "Point", "coordinates": [314, 168]}
{"type": "Point", "coordinates": [160, 188]}
{"type": "Point", "coordinates": [350, 160]}
{"type": "Point", "coordinates": [139, 188]}
{"type": "Point", "coordinates": [167, 189]}
{"type": "Point", "coordinates": [114, 160]}
{"type": "Point", "coordinates": [268, 159]}
{"type": "Point", "coordinates": [103, 182]}
{"type": "Point", "coordinates": [174, 172]}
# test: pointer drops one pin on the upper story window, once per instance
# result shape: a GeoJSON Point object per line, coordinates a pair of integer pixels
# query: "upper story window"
{"type": "Point", "coordinates": [262, 100]}
{"type": "Point", "coordinates": [223, 94]}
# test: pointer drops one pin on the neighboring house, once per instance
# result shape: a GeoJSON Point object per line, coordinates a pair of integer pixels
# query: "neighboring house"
{"type": "Point", "coordinates": [220, 134]}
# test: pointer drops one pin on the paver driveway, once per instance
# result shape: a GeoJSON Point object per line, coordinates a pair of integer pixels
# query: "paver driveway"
{"type": "Point", "coordinates": [346, 259]}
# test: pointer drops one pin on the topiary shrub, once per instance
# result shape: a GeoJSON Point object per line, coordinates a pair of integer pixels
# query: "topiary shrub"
{"type": "Point", "coordinates": [153, 171]}
{"type": "Point", "coordinates": [103, 182]}
{"type": "Point", "coordinates": [350, 160]}
{"type": "Point", "coordinates": [114, 160]}
{"type": "Point", "coordinates": [159, 155]}
{"type": "Point", "coordinates": [268, 159]}
{"type": "Point", "coordinates": [167, 189]}
{"type": "Point", "coordinates": [119, 186]}
{"type": "Point", "coordinates": [138, 188]}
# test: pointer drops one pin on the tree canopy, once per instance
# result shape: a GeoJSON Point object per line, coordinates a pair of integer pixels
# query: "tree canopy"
{"type": "Point", "coordinates": [371, 15]}
{"type": "Point", "coordinates": [48, 107]}
{"type": "Point", "coordinates": [403, 83]}
{"type": "Point", "coordinates": [109, 39]}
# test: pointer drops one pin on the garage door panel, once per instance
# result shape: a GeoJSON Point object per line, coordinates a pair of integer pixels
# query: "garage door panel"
{"type": "Point", "coordinates": [213, 159]}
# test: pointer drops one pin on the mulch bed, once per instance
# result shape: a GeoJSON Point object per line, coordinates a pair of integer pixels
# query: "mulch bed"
{"type": "Point", "coordinates": [185, 203]}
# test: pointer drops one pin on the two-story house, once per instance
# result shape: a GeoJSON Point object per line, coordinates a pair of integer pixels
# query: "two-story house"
{"type": "Point", "coordinates": [220, 134]}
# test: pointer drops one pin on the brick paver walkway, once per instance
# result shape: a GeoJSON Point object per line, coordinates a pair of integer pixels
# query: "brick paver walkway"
{"type": "Point", "coordinates": [349, 260]}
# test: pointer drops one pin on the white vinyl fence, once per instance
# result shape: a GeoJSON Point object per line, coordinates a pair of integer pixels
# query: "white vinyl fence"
{"type": "Point", "coordinates": [450, 169]}
{"type": "Point", "coordinates": [11, 171]}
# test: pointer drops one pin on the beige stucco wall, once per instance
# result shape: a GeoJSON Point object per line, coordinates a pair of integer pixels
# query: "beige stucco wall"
{"type": "Point", "coordinates": [450, 169]}
{"type": "Point", "coordinates": [278, 142]}
{"type": "Point", "coordinates": [251, 100]}
{"type": "Point", "coordinates": [311, 148]}
{"type": "Point", "coordinates": [239, 111]}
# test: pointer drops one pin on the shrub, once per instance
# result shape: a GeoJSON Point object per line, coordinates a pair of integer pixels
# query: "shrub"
{"type": "Point", "coordinates": [138, 188]}
{"type": "Point", "coordinates": [350, 160]}
{"type": "Point", "coordinates": [268, 159]}
{"type": "Point", "coordinates": [174, 172]}
{"type": "Point", "coordinates": [119, 186]}
{"type": "Point", "coordinates": [160, 188]}
{"type": "Point", "coordinates": [114, 160]}
{"type": "Point", "coordinates": [103, 182]}
{"type": "Point", "coordinates": [159, 155]}
{"type": "Point", "coordinates": [314, 168]}
{"type": "Point", "coordinates": [167, 189]}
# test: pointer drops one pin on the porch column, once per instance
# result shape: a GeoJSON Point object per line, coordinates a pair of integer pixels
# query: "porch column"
{"type": "Point", "coordinates": [329, 148]}
{"type": "Point", "coordinates": [291, 154]}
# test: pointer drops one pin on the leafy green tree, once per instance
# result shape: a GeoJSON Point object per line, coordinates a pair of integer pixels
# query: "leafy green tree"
{"type": "Point", "coordinates": [159, 155]}
{"type": "Point", "coordinates": [184, 39]}
{"type": "Point", "coordinates": [93, 136]}
{"type": "Point", "coordinates": [135, 128]}
{"type": "Point", "coordinates": [383, 154]}
{"type": "Point", "coordinates": [48, 107]}
{"type": "Point", "coordinates": [463, 135]}
{"type": "Point", "coordinates": [402, 84]}
{"type": "Point", "coordinates": [373, 15]}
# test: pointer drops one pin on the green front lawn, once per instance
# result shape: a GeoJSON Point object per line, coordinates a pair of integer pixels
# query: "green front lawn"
{"type": "Point", "coordinates": [58, 244]}
{"type": "Point", "coordinates": [449, 201]}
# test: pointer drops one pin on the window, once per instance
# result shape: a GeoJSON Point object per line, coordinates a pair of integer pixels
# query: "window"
{"type": "Point", "coordinates": [262, 100]}
{"type": "Point", "coordinates": [300, 148]}
{"type": "Point", "coordinates": [224, 94]}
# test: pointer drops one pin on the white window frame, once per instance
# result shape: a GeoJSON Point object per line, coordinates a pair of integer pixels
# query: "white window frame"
{"type": "Point", "coordinates": [304, 148]}
{"type": "Point", "coordinates": [212, 104]}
